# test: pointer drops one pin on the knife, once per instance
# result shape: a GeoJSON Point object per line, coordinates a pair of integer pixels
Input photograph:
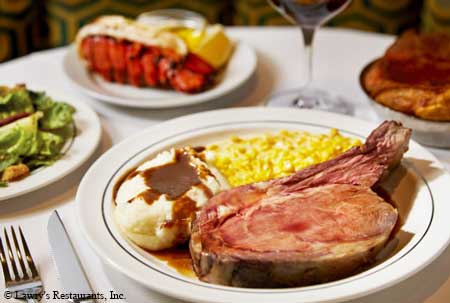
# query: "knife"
{"type": "Point", "coordinates": [71, 273]}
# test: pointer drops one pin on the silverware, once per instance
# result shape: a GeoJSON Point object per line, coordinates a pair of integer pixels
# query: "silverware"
{"type": "Point", "coordinates": [27, 285]}
{"type": "Point", "coordinates": [70, 271]}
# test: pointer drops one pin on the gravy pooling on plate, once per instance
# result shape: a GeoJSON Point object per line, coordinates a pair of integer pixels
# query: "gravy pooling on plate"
{"type": "Point", "coordinates": [178, 258]}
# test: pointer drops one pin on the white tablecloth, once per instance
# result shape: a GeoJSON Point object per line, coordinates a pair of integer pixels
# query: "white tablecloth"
{"type": "Point", "coordinates": [339, 56]}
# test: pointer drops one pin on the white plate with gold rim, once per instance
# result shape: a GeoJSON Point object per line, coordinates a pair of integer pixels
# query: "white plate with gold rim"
{"type": "Point", "coordinates": [419, 186]}
{"type": "Point", "coordinates": [238, 70]}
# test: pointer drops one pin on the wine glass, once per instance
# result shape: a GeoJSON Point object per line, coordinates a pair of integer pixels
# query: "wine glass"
{"type": "Point", "coordinates": [309, 15]}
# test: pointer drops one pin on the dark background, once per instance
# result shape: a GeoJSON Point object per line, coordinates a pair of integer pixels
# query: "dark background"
{"type": "Point", "coordinates": [27, 26]}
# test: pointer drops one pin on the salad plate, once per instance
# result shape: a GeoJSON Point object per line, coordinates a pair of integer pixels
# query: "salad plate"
{"type": "Point", "coordinates": [238, 70]}
{"type": "Point", "coordinates": [79, 146]}
{"type": "Point", "coordinates": [419, 182]}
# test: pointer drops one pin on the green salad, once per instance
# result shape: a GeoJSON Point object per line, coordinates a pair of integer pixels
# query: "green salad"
{"type": "Point", "coordinates": [33, 131]}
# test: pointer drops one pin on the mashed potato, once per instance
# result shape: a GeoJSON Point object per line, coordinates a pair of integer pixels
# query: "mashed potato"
{"type": "Point", "coordinates": [157, 215]}
{"type": "Point", "coordinates": [268, 156]}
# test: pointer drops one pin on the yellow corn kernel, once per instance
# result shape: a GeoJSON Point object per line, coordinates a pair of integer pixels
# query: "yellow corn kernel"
{"type": "Point", "coordinates": [272, 155]}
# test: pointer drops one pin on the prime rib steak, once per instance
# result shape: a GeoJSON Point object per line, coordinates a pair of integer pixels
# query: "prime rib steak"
{"type": "Point", "coordinates": [320, 224]}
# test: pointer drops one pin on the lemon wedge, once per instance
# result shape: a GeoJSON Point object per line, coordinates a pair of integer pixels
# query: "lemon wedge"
{"type": "Point", "coordinates": [210, 44]}
{"type": "Point", "coordinates": [191, 37]}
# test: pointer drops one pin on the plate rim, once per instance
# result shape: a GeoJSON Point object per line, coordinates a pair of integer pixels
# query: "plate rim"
{"type": "Point", "coordinates": [248, 112]}
{"type": "Point", "coordinates": [92, 141]}
{"type": "Point", "coordinates": [208, 95]}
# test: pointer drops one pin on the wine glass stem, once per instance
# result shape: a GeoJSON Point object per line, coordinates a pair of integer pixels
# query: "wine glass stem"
{"type": "Point", "coordinates": [308, 36]}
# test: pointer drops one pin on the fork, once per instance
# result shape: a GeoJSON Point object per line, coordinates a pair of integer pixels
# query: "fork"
{"type": "Point", "coordinates": [23, 287]}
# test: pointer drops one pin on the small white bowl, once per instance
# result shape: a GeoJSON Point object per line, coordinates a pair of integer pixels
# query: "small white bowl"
{"type": "Point", "coordinates": [430, 133]}
{"type": "Point", "coordinates": [174, 17]}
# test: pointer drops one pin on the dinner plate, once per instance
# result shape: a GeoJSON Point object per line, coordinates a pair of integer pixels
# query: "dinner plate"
{"type": "Point", "coordinates": [240, 67]}
{"type": "Point", "coordinates": [76, 151]}
{"type": "Point", "coordinates": [419, 186]}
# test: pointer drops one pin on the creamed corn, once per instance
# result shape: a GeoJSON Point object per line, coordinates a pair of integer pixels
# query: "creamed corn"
{"type": "Point", "coordinates": [273, 155]}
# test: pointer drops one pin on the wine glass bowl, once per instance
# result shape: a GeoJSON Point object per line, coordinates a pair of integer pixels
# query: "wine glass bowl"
{"type": "Point", "coordinates": [309, 15]}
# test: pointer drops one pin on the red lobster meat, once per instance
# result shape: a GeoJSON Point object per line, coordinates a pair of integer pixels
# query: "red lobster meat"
{"type": "Point", "coordinates": [123, 61]}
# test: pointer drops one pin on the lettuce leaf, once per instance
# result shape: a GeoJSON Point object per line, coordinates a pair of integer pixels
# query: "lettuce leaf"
{"type": "Point", "coordinates": [56, 114]}
{"type": "Point", "coordinates": [50, 151]}
{"type": "Point", "coordinates": [21, 137]}
{"type": "Point", "coordinates": [15, 101]}
{"type": "Point", "coordinates": [51, 144]}
{"type": "Point", "coordinates": [7, 160]}
{"type": "Point", "coordinates": [4, 100]}
{"type": "Point", "coordinates": [37, 162]}
{"type": "Point", "coordinates": [59, 115]}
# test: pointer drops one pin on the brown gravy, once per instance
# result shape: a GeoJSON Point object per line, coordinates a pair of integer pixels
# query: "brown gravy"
{"type": "Point", "coordinates": [172, 179]}
{"type": "Point", "coordinates": [178, 258]}
{"type": "Point", "coordinates": [122, 179]}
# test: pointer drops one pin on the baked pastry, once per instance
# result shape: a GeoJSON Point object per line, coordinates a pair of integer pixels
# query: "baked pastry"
{"type": "Point", "coordinates": [413, 76]}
